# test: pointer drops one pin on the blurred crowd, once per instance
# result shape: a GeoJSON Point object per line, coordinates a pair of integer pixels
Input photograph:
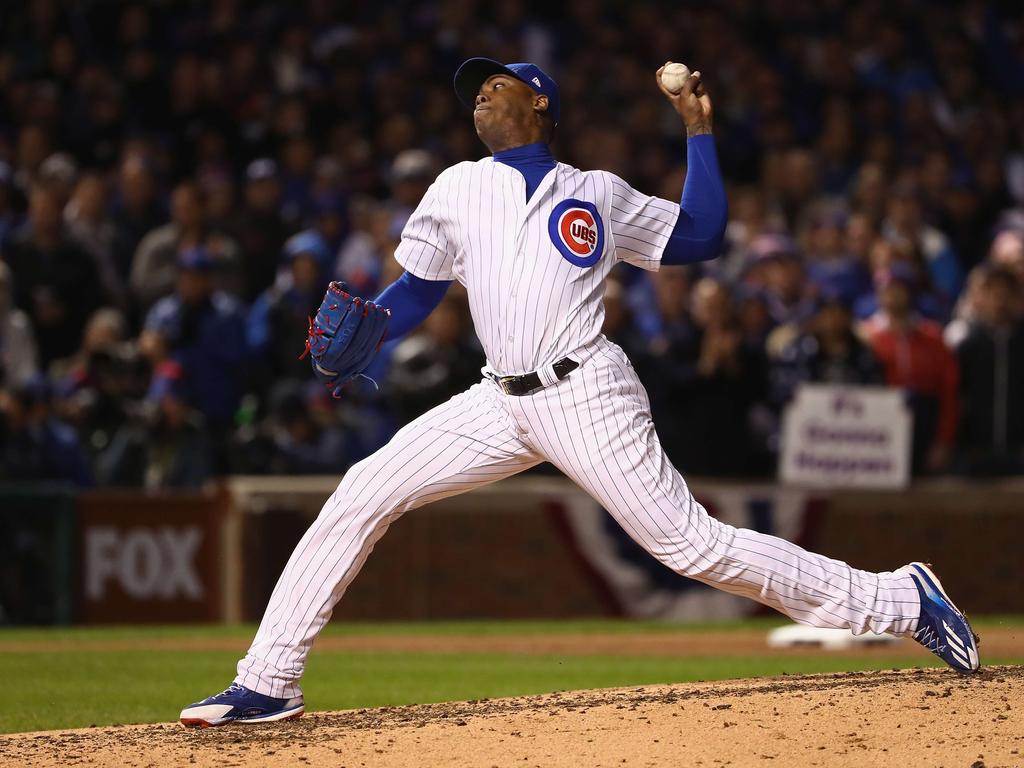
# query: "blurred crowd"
{"type": "Point", "coordinates": [178, 182]}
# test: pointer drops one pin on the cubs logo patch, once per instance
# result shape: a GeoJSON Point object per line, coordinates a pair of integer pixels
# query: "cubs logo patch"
{"type": "Point", "coordinates": [577, 232]}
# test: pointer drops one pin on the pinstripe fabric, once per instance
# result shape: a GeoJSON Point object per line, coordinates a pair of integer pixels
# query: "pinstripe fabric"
{"type": "Point", "coordinates": [597, 429]}
{"type": "Point", "coordinates": [531, 307]}
{"type": "Point", "coordinates": [595, 426]}
{"type": "Point", "coordinates": [464, 443]}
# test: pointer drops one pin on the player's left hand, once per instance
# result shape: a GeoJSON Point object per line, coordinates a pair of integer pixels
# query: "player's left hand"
{"type": "Point", "coordinates": [692, 103]}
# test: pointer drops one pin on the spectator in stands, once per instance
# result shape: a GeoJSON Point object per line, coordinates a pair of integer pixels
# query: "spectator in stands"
{"type": "Point", "coordinates": [219, 194]}
{"type": "Point", "coordinates": [693, 379]}
{"type": "Point", "coordinates": [671, 352]}
{"type": "Point", "coordinates": [89, 225]}
{"type": "Point", "coordinates": [991, 357]}
{"type": "Point", "coordinates": [433, 365]}
{"type": "Point", "coordinates": [370, 242]}
{"type": "Point", "coordinates": [258, 227]}
{"type": "Point", "coordinates": [261, 101]}
{"type": "Point", "coordinates": [330, 218]}
{"type": "Point", "coordinates": [859, 236]}
{"type": "Point", "coordinates": [715, 403]}
{"type": "Point", "coordinates": [292, 441]}
{"type": "Point", "coordinates": [18, 354]}
{"type": "Point", "coordinates": [963, 218]}
{"type": "Point", "coordinates": [1007, 252]}
{"type": "Point", "coordinates": [167, 445]}
{"type": "Point", "coordinates": [748, 220]}
{"type": "Point", "coordinates": [412, 171]}
{"type": "Point", "coordinates": [136, 211]}
{"type": "Point", "coordinates": [965, 314]}
{"type": "Point", "coordinates": [33, 146]}
{"type": "Point", "coordinates": [829, 352]}
{"type": "Point", "coordinates": [883, 255]}
{"type": "Point", "coordinates": [798, 185]}
{"type": "Point", "coordinates": [105, 329]}
{"type": "Point", "coordinates": [203, 329]}
{"type": "Point", "coordinates": [54, 278]}
{"type": "Point", "coordinates": [297, 157]}
{"type": "Point", "coordinates": [155, 266]}
{"type": "Point", "coordinates": [915, 359]}
{"type": "Point", "coordinates": [777, 269]}
{"type": "Point", "coordinates": [754, 317]}
{"type": "Point", "coordinates": [673, 333]}
{"type": "Point", "coordinates": [870, 192]}
{"type": "Point", "coordinates": [831, 268]}
{"type": "Point", "coordinates": [34, 444]}
{"type": "Point", "coordinates": [59, 174]}
{"type": "Point", "coordinates": [376, 227]}
{"type": "Point", "coordinates": [98, 387]}
{"type": "Point", "coordinates": [711, 305]}
{"type": "Point", "coordinates": [904, 220]}
{"type": "Point", "coordinates": [279, 319]}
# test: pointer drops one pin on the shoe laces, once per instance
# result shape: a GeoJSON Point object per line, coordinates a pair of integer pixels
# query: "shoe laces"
{"type": "Point", "coordinates": [930, 639]}
{"type": "Point", "coordinates": [233, 688]}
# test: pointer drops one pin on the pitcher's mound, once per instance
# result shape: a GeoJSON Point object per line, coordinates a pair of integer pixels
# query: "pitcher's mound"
{"type": "Point", "coordinates": [915, 717]}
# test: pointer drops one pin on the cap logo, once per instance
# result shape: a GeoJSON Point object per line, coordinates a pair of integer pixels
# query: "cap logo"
{"type": "Point", "coordinates": [576, 230]}
{"type": "Point", "coordinates": [536, 81]}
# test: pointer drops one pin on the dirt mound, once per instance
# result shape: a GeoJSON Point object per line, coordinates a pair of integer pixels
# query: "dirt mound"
{"type": "Point", "coordinates": [915, 717]}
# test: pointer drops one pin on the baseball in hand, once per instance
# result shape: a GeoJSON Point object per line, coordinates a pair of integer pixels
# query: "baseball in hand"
{"type": "Point", "coordinates": [674, 75]}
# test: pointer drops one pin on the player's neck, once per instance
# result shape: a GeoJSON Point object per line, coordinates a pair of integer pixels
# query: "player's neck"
{"type": "Point", "coordinates": [515, 137]}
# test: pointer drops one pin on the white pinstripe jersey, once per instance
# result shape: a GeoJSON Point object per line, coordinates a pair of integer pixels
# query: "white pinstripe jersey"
{"type": "Point", "coordinates": [534, 270]}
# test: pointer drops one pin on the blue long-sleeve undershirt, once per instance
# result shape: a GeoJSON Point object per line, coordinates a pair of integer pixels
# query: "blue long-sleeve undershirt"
{"type": "Point", "coordinates": [410, 300]}
{"type": "Point", "coordinates": [703, 211]}
{"type": "Point", "coordinates": [697, 235]}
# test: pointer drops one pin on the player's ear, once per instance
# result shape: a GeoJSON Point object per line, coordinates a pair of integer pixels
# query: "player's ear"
{"type": "Point", "coordinates": [540, 110]}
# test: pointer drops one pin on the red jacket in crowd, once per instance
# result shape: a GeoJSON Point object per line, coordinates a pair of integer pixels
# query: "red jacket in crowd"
{"type": "Point", "coordinates": [917, 359]}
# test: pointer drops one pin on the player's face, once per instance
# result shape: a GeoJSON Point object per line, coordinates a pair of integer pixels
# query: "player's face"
{"type": "Point", "coordinates": [504, 113]}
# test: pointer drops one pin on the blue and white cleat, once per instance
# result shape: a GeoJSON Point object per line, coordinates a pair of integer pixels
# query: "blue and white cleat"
{"type": "Point", "coordinates": [240, 705]}
{"type": "Point", "coordinates": [942, 628]}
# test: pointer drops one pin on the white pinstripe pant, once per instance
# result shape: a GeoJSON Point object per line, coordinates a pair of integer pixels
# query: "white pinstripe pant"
{"type": "Point", "coordinates": [595, 426]}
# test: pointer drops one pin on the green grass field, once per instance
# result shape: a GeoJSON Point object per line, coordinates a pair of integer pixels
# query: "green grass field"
{"type": "Point", "coordinates": [67, 687]}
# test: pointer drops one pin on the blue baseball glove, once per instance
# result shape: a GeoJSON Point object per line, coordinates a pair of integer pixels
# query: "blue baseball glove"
{"type": "Point", "coordinates": [344, 337]}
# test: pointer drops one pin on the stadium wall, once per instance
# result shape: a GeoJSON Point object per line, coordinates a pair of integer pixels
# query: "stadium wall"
{"type": "Point", "coordinates": [528, 547]}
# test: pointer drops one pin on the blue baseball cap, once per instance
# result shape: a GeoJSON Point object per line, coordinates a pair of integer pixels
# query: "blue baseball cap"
{"type": "Point", "coordinates": [474, 72]}
{"type": "Point", "coordinates": [308, 242]}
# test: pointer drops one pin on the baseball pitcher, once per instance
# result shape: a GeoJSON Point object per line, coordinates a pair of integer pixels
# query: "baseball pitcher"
{"type": "Point", "coordinates": [533, 240]}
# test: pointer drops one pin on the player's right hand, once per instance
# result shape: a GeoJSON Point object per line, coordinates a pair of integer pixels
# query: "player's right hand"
{"type": "Point", "coordinates": [692, 103]}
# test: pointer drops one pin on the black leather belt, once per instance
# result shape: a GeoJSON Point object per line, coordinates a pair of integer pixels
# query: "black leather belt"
{"type": "Point", "coordinates": [530, 382]}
